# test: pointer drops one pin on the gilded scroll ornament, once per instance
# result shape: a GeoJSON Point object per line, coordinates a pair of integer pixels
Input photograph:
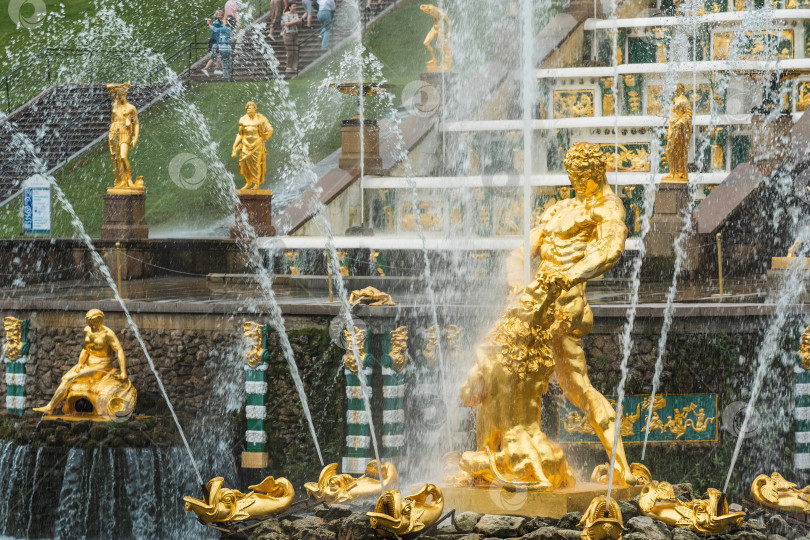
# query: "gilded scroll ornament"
{"type": "Point", "coordinates": [804, 348]}
{"type": "Point", "coordinates": [602, 521]}
{"type": "Point", "coordinates": [253, 334]}
{"type": "Point", "coordinates": [349, 359]}
{"type": "Point", "coordinates": [334, 488]}
{"type": "Point", "coordinates": [271, 496]}
{"type": "Point", "coordinates": [394, 516]}
{"type": "Point", "coordinates": [775, 492]}
{"type": "Point", "coordinates": [658, 501]}
{"type": "Point", "coordinates": [399, 347]}
{"type": "Point", "coordinates": [370, 296]}
{"type": "Point", "coordinates": [95, 382]}
{"type": "Point", "coordinates": [12, 346]}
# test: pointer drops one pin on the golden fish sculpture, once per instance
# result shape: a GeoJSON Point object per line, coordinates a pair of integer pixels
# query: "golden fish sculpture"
{"type": "Point", "coordinates": [658, 501]}
{"type": "Point", "coordinates": [775, 492]}
{"type": "Point", "coordinates": [394, 515]}
{"type": "Point", "coordinates": [265, 499]}
{"type": "Point", "coordinates": [597, 524]}
{"type": "Point", "coordinates": [337, 488]}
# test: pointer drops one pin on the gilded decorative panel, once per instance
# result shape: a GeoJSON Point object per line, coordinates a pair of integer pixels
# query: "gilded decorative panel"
{"type": "Point", "coordinates": [675, 418]}
{"type": "Point", "coordinates": [430, 216]}
{"type": "Point", "coordinates": [633, 157]}
{"type": "Point", "coordinates": [756, 45]}
{"type": "Point", "coordinates": [802, 95]}
{"type": "Point", "coordinates": [573, 103]}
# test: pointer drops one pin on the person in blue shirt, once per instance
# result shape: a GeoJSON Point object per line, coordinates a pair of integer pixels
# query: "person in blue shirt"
{"type": "Point", "coordinates": [220, 45]}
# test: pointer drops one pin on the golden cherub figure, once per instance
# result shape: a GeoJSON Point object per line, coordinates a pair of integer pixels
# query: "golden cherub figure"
{"type": "Point", "coordinates": [254, 131]}
{"type": "Point", "coordinates": [95, 378]}
{"type": "Point", "coordinates": [540, 335]}
{"type": "Point", "coordinates": [679, 134]}
{"type": "Point", "coordinates": [440, 32]}
{"type": "Point", "coordinates": [123, 136]}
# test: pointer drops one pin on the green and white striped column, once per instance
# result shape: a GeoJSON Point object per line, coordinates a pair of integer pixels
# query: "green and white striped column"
{"type": "Point", "coordinates": [358, 437]}
{"type": "Point", "coordinates": [393, 360]}
{"type": "Point", "coordinates": [801, 393]}
{"type": "Point", "coordinates": [255, 455]}
{"type": "Point", "coordinates": [15, 356]}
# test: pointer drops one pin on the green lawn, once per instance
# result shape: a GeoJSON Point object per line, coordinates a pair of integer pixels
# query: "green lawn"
{"type": "Point", "coordinates": [304, 112]}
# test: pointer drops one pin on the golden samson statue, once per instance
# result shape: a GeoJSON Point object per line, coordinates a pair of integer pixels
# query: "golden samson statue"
{"type": "Point", "coordinates": [95, 378]}
{"type": "Point", "coordinates": [254, 131]}
{"type": "Point", "coordinates": [541, 333]}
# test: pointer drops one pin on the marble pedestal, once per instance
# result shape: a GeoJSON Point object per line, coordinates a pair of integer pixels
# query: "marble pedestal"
{"type": "Point", "coordinates": [257, 204]}
{"type": "Point", "coordinates": [124, 216]}
{"type": "Point", "coordinates": [437, 85]}
{"type": "Point", "coordinates": [350, 155]}
{"type": "Point", "coordinates": [254, 460]}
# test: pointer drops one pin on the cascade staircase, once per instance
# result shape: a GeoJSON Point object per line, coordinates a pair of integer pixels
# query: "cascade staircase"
{"type": "Point", "coordinates": [250, 64]}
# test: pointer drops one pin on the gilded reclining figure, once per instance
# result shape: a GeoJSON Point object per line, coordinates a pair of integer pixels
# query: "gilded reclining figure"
{"type": "Point", "coordinates": [658, 501]}
{"type": "Point", "coordinates": [393, 515]}
{"type": "Point", "coordinates": [337, 488]}
{"type": "Point", "coordinates": [95, 378]}
{"type": "Point", "coordinates": [775, 492]}
{"type": "Point", "coordinates": [226, 504]}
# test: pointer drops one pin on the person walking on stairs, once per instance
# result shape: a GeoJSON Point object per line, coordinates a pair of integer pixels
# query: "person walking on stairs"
{"type": "Point", "coordinates": [290, 22]}
{"type": "Point", "coordinates": [326, 9]}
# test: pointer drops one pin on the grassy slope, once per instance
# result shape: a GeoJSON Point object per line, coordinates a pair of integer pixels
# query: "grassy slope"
{"type": "Point", "coordinates": [169, 129]}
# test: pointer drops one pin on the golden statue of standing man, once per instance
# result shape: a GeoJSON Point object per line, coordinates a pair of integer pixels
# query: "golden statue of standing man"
{"type": "Point", "coordinates": [124, 132]}
{"type": "Point", "coordinates": [541, 334]}
{"type": "Point", "coordinates": [254, 131]}
{"type": "Point", "coordinates": [679, 134]}
{"type": "Point", "coordinates": [440, 32]}
{"type": "Point", "coordinates": [95, 378]}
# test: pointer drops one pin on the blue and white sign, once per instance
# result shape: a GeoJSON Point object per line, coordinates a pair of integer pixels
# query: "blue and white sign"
{"type": "Point", "coordinates": [37, 205]}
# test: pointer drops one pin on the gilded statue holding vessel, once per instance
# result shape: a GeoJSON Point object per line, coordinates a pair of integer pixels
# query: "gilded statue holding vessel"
{"type": "Point", "coordinates": [95, 381]}
{"type": "Point", "coordinates": [540, 335]}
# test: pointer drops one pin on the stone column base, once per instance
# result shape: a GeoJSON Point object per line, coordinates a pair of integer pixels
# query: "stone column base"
{"type": "Point", "coordinates": [124, 216]}
{"type": "Point", "coordinates": [257, 203]}
{"type": "Point", "coordinates": [436, 86]}
{"type": "Point", "coordinates": [350, 148]}
{"type": "Point", "coordinates": [666, 223]}
{"type": "Point", "coordinates": [254, 460]}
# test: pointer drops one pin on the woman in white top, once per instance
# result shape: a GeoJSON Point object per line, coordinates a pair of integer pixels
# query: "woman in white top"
{"type": "Point", "coordinates": [290, 22]}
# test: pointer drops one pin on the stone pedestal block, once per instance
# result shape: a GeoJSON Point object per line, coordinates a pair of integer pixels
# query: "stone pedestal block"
{"type": "Point", "coordinates": [437, 86]}
{"type": "Point", "coordinates": [124, 216]}
{"type": "Point", "coordinates": [257, 205]}
{"type": "Point", "coordinates": [770, 140]}
{"type": "Point", "coordinates": [254, 460]}
{"type": "Point", "coordinates": [666, 223]}
{"type": "Point", "coordinates": [351, 145]}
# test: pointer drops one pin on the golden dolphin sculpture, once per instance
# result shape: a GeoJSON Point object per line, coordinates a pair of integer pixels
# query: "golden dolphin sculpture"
{"type": "Point", "coordinates": [596, 525]}
{"type": "Point", "coordinates": [393, 515]}
{"type": "Point", "coordinates": [775, 492]}
{"type": "Point", "coordinates": [337, 488]}
{"type": "Point", "coordinates": [232, 505]}
{"type": "Point", "coordinates": [658, 501]}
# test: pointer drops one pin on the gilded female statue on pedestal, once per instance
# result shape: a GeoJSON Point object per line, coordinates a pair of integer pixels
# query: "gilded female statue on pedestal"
{"type": "Point", "coordinates": [679, 134]}
{"type": "Point", "coordinates": [254, 131]}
